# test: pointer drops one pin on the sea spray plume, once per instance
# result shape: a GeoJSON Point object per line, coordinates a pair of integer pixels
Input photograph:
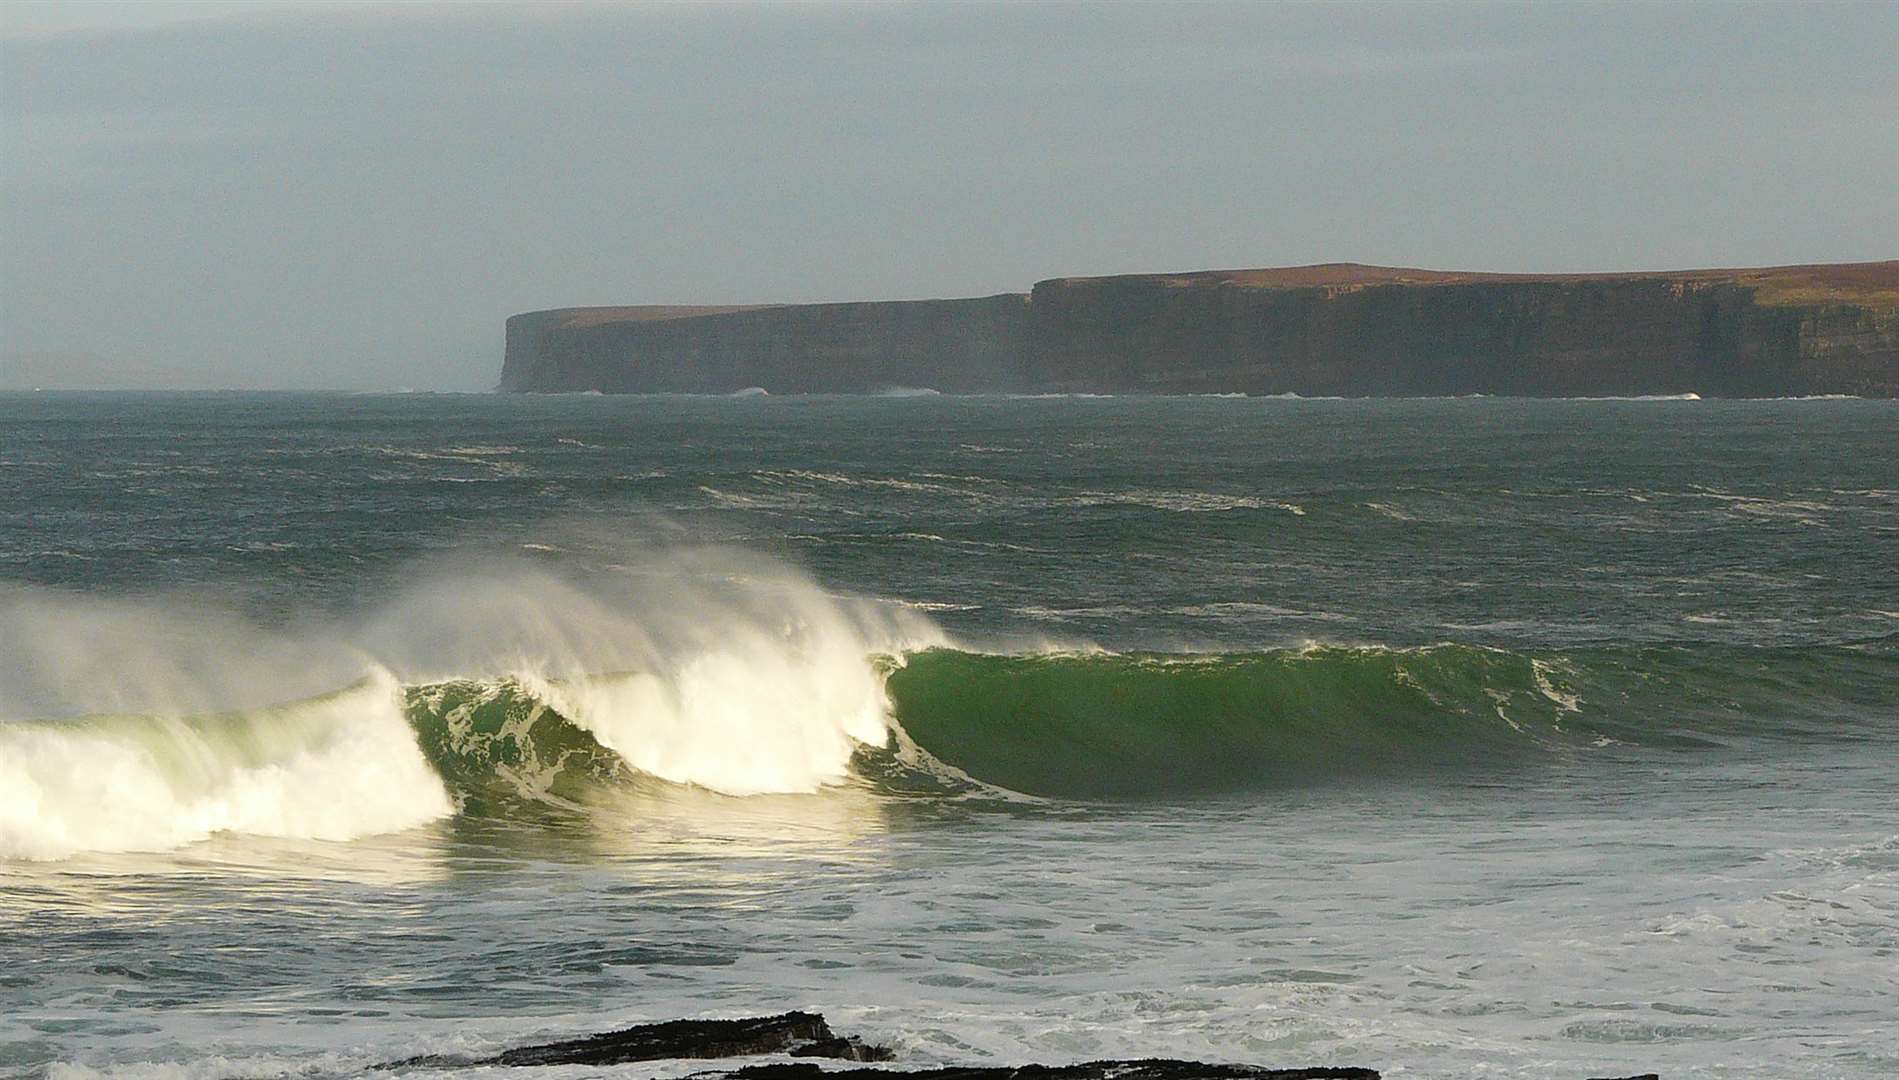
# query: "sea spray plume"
{"type": "Point", "coordinates": [173, 654]}
{"type": "Point", "coordinates": [137, 725]}
{"type": "Point", "coordinates": [147, 723]}
{"type": "Point", "coordinates": [708, 666]}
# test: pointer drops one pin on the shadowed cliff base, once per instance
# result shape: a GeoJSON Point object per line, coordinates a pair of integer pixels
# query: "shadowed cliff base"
{"type": "Point", "coordinates": [1334, 329]}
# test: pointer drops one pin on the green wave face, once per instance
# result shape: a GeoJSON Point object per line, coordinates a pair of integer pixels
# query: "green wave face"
{"type": "Point", "coordinates": [503, 752]}
{"type": "Point", "coordinates": [1073, 726]}
{"type": "Point", "coordinates": [378, 757]}
{"type": "Point", "coordinates": [1120, 726]}
{"type": "Point", "coordinates": [1114, 726]}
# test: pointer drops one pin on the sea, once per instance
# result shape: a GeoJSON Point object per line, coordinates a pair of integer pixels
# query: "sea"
{"type": "Point", "coordinates": [1451, 738]}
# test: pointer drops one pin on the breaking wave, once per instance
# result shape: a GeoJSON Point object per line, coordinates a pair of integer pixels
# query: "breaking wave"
{"type": "Point", "coordinates": [143, 724]}
{"type": "Point", "coordinates": [1639, 397]}
{"type": "Point", "coordinates": [332, 768]}
{"type": "Point", "coordinates": [513, 695]}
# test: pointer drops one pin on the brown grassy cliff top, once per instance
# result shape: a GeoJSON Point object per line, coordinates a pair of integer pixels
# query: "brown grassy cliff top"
{"type": "Point", "coordinates": [1868, 284]}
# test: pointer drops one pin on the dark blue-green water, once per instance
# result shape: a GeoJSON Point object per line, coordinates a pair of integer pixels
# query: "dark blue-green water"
{"type": "Point", "coordinates": [1536, 737]}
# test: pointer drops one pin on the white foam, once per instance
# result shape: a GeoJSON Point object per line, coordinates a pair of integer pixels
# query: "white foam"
{"type": "Point", "coordinates": [711, 667]}
{"type": "Point", "coordinates": [767, 687]}
{"type": "Point", "coordinates": [702, 666]}
{"type": "Point", "coordinates": [1638, 397]}
{"type": "Point", "coordinates": [1566, 700]}
{"type": "Point", "coordinates": [754, 716]}
{"type": "Point", "coordinates": [1187, 502]}
{"type": "Point", "coordinates": [334, 768]}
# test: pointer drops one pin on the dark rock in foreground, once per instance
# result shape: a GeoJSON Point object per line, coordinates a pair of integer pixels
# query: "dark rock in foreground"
{"type": "Point", "coordinates": [800, 1034]}
{"type": "Point", "coordinates": [803, 1034]}
{"type": "Point", "coordinates": [1145, 1069]}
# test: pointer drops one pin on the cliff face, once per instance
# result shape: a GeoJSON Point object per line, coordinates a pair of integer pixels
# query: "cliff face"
{"type": "Point", "coordinates": [1847, 349]}
{"type": "Point", "coordinates": [1326, 330]}
{"type": "Point", "coordinates": [1530, 338]}
{"type": "Point", "coordinates": [949, 345]}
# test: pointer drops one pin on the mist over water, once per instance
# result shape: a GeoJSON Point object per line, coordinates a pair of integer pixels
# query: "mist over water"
{"type": "Point", "coordinates": [1549, 738]}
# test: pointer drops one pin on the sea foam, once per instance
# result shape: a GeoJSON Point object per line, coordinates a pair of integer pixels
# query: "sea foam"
{"type": "Point", "coordinates": [124, 729]}
{"type": "Point", "coordinates": [332, 768]}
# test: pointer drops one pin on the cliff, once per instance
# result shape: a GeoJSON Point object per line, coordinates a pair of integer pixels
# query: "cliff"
{"type": "Point", "coordinates": [957, 346]}
{"type": "Point", "coordinates": [1356, 330]}
{"type": "Point", "coordinates": [1337, 329]}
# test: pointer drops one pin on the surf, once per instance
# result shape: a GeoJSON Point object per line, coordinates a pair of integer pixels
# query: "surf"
{"type": "Point", "coordinates": [378, 757]}
{"type": "Point", "coordinates": [489, 686]}
{"type": "Point", "coordinates": [336, 767]}
{"type": "Point", "coordinates": [503, 690]}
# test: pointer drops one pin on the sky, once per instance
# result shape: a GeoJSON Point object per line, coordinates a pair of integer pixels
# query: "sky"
{"type": "Point", "coordinates": [356, 195]}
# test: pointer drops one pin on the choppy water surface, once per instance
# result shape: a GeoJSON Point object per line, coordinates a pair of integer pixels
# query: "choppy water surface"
{"type": "Point", "coordinates": [1446, 737]}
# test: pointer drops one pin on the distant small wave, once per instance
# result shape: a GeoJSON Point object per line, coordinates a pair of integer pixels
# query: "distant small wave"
{"type": "Point", "coordinates": [1637, 397]}
{"type": "Point", "coordinates": [1183, 501]}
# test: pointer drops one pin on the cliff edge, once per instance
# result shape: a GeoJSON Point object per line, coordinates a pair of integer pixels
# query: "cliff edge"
{"type": "Point", "coordinates": [1334, 329]}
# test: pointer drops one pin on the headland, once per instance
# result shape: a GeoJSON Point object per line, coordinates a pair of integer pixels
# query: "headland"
{"type": "Point", "coordinates": [1335, 329]}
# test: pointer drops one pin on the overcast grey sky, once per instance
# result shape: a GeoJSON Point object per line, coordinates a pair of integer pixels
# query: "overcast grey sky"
{"type": "Point", "coordinates": [357, 195]}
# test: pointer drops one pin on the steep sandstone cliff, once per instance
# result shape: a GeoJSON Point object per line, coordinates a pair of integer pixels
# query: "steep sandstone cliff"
{"type": "Point", "coordinates": [1354, 330]}
{"type": "Point", "coordinates": [950, 345]}
{"type": "Point", "coordinates": [1339, 329]}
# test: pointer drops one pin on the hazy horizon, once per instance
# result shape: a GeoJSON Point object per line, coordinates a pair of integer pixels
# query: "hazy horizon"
{"type": "Point", "coordinates": [356, 196]}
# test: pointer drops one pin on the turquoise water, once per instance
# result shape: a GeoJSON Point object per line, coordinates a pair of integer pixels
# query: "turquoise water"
{"type": "Point", "coordinates": [1529, 737]}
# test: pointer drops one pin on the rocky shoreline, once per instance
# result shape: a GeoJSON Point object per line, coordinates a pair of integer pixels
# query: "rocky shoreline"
{"type": "Point", "coordinates": [808, 1035]}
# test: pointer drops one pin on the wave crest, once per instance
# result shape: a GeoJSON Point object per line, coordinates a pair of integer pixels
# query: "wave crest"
{"type": "Point", "coordinates": [1113, 725]}
{"type": "Point", "coordinates": [511, 694]}
{"type": "Point", "coordinates": [486, 687]}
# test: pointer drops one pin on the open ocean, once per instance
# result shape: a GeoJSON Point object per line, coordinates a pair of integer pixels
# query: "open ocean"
{"type": "Point", "coordinates": [1451, 738]}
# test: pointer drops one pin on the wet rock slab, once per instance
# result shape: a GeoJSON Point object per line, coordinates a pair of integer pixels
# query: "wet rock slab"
{"type": "Point", "coordinates": [800, 1034]}
{"type": "Point", "coordinates": [803, 1034]}
{"type": "Point", "coordinates": [1145, 1069]}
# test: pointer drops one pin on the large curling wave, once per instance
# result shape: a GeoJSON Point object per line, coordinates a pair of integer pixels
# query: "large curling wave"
{"type": "Point", "coordinates": [515, 695]}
